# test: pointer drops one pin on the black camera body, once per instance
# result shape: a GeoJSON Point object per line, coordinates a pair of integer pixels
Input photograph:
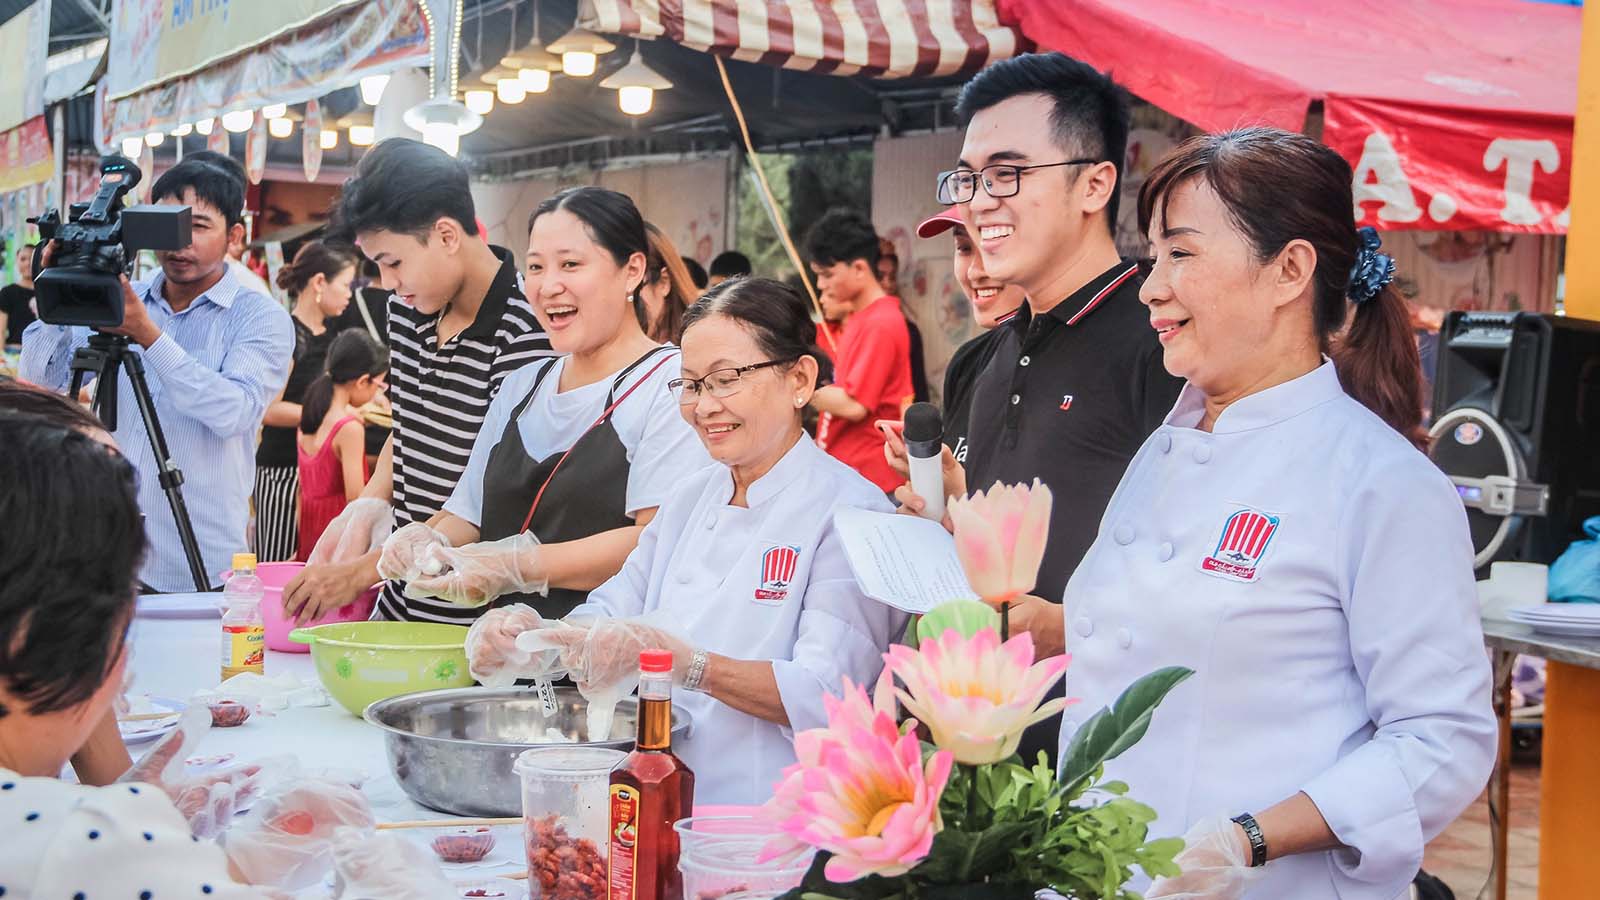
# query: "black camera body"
{"type": "Point", "coordinates": [82, 285]}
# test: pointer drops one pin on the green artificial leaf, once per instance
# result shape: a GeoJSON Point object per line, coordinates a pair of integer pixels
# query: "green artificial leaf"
{"type": "Point", "coordinates": [966, 616]}
{"type": "Point", "coordinates": [1113, 730]}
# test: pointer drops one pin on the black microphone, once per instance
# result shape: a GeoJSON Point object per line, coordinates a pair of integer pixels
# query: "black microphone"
{"type": "Point", "coordinates": [924, 436]}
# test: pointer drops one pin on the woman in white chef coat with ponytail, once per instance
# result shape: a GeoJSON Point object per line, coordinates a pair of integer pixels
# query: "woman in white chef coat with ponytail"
{"type": "Point", "coordinates": [741, 574]}
{"type": "Point", "coordinates": [1282, 536]}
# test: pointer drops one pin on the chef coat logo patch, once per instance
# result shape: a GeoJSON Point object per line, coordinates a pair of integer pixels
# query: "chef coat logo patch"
{"type": "Point", "coordinates": [777, 571]}
{"type": "Point", "coordinates": [1246, 535]}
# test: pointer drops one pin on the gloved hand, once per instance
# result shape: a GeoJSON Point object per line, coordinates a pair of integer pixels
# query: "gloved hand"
{"type": "Point", "coordinates": [208, 802]}
{"type": "Point", "coordinates": [385, 866]}
{"type": "Point", "coordinates": [478, 573]}
{"type": "Point", "coordinates": [357, 531]}
{"type": "Point", "coordinates": [493, 655]}
{"type": "Point", "coordinates": [1215, 861]}
{"type": "Point", "coordinates": [404, 549]}
{"type": "Point", "coordinates": [286, 841]}
{"type": "Point", "coordinates": [603, 658]}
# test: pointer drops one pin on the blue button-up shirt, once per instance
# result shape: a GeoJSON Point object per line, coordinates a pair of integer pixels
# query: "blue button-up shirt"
{"type": "Point", "coordinates": [212, 373]}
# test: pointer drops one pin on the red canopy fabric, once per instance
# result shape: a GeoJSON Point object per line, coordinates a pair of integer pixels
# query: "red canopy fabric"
{"type": "Point", "coordinates": [1456, 114]}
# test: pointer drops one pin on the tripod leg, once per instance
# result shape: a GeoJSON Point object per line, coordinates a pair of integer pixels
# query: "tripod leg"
{"type": "Point", "coordinates": [171, 477]}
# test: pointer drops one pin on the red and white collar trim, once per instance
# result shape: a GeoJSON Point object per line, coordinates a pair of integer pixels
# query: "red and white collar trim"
{"type": "Point", "coordinates": [1001, 320]}
{"type": "Point", "coordinates": [1103, 293]}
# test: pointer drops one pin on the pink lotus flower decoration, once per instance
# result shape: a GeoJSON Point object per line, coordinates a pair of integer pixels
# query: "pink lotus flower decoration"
{"type": "Point", "coordinates": [976, 694]}
{"type": "Point", "coordinates": [1000, 537]}
{"type": "Point", "coordinates": [860, 790]}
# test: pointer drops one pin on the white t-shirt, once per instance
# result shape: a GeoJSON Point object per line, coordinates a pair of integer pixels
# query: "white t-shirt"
{"type": "Point", "coordinates": [124, 840]}
{"type": "Point", "coordinates": [662, 448]}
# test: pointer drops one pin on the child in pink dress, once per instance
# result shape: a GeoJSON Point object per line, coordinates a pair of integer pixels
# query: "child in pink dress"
{"type": "Point", "coordinates": [332, 443]}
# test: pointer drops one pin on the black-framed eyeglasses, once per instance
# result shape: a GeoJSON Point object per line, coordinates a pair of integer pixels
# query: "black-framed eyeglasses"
{"type": "Point", "coordinates": [721, 383]}
{"type": "Point", "coordinates": [999, 180]}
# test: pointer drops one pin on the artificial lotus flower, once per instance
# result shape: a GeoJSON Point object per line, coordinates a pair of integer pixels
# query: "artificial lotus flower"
{"type": "Point", "coordinates": [976, 695]}
{"type": "Point", "coordinates": [860, 790]}
{"type": "Point", "coordinates": [1000, 536]}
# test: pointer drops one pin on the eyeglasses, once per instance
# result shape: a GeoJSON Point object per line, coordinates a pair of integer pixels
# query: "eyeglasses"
{"type": "Point", "coordinates": [721, 383]}
{"type": "Point", "coordinates": [961, 185]}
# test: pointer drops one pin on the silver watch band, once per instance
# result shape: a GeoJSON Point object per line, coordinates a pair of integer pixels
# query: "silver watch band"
{"type": "Point", "coordinates": [697, 670]}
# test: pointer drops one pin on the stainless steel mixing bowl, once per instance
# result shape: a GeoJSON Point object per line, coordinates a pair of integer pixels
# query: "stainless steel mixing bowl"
{"type": "Point", "coordinates": [453, 750]}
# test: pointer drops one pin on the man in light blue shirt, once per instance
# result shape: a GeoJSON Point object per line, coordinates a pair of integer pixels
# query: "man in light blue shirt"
{"type": "Point", "coordinates": [215, 352]}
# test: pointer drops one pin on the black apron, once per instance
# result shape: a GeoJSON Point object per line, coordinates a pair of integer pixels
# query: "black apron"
{"type": "Point", "coordinates": [583, 496]}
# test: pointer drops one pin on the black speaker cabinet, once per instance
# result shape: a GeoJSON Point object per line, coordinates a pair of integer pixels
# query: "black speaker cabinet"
{"type": "Point", "coordinates": [1516, 426]}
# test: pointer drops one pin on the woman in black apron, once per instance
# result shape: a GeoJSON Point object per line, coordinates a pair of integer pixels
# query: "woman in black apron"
{"type": "Point", "coordinates": [576, 452]}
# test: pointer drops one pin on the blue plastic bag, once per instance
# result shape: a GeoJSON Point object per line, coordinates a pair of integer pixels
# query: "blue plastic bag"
{"type": "Point", "coordinates": [1575, 575]}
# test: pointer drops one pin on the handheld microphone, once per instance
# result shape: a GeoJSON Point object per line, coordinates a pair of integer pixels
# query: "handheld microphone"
{"type": "Point", "coordinates": [924, 434]}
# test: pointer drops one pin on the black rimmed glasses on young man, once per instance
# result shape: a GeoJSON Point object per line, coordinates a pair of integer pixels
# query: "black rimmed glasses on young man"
{"type": "Point", "coordinates": [999, 180]}
{"type": "Point", "coordinates": [721, 383]}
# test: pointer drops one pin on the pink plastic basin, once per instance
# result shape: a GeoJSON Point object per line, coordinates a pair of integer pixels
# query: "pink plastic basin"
{"type": "Point", "coordinates": [275, 576]}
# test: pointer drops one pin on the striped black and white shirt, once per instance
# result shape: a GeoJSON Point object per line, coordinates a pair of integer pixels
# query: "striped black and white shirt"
{"type": "Point", "coordinates": [442, 393]}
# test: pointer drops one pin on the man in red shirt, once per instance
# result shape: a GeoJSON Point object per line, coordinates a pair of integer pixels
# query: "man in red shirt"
{"type": "Point", "coordinates": [872, 368]}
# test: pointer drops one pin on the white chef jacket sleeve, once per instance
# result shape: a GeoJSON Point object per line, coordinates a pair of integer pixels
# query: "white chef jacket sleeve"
{"type": "Point", "coordinates": [466, 501]}
{"type": "Point", "coordinates": [842, 632]}
{"type": "Point", "coordinates": [1404, 558]}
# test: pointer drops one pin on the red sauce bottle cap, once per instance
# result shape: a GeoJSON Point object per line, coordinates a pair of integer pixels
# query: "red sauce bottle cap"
{"type": "Point", "coordinates": [655, 660]}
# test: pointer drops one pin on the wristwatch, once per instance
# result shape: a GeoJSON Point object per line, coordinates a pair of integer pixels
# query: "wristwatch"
{"type": "Point", "coordinates": [697, 670]}
{"type": "Point", "coordinates": [1258, 844]}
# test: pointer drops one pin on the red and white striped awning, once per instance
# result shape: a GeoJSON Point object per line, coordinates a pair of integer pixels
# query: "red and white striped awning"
{"type": "Point", "coordinates": [881, 38]}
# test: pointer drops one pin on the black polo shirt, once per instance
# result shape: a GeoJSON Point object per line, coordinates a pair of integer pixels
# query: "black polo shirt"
{"type": "Point", "coordinates": [960, 378]}
{"type": "Point", "coordinates": [1068, 397]}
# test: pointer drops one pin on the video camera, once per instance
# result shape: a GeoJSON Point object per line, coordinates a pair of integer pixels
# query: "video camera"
{"type": "Point", "coordinates": [82, 286]}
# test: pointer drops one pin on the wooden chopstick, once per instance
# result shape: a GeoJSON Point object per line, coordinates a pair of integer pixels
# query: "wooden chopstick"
{"type": "Point", "coordinates": [445, 823]}
{"type": "Point", "coordinates": [516, 876]}
{"type": "Point", "coordinates": [146, 717]}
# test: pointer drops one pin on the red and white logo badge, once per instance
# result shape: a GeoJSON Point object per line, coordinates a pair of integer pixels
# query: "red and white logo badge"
{"type": "Point", "coordinates": [777, 571]}
{"type": "Point", "coordinates": [1066, 402]}
{"type": "Point", "coordinates": [1246, 535]}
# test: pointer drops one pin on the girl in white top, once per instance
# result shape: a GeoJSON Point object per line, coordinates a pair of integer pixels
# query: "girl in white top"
{"type": "Point", "coordinates": [1282, 536]}
{"type": "Point", "coordinates": [742, 568]}
{"type": "Point", "coordinates": [577, 452]}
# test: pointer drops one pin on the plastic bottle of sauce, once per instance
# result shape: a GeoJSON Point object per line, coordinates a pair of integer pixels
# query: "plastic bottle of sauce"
{"type": "Point", "coordinates": [244, 634]}
{"type": "Point", "coordinates": [651, 790]}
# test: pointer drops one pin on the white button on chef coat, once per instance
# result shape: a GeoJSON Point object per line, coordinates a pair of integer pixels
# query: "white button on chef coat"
{"type": "Point", "coordinates": [1322, 590]}
{"type": "Point", "coordinates": [767, 582]}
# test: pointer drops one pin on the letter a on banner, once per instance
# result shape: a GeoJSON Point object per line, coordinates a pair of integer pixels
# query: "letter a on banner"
{"type": "Point", "coordinates": [311, 140]}
{"type": "Point", "coordinates": [1379, 177]}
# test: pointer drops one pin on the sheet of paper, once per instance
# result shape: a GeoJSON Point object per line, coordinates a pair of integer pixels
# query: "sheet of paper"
{"type": "Point", "coordinates": [904, 561]}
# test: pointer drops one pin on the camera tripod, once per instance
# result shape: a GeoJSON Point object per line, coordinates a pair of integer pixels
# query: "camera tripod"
{"type": "Point", "coordinates": [103, 356]}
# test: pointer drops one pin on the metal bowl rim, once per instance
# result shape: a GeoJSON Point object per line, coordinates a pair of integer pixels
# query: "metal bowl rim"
{"type": "Point", "coordinates": [369, 715]}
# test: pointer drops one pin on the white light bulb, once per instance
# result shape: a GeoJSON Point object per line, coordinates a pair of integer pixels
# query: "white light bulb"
{"type": "Point", "coordinates": [362, 135]}
{"type": "Point", "coordinates": [132, 147]}
{"type": "Point", "coordinates": [280, 128]}
{"type": "Point", "coordinates": [329, 138]}
{"type": "Point", "coordinates": [203, 126]}
{"type": "Point", "coordinates": [238, 121]}
{"type": "Point", "coordinates": [154, 138]}
{"type": "Point", "coordinates": [635, 100]}
{"type": "Point", "coordinates": [442, 135]}
{"type": "Point", "coordinates": [480, 102]}
{"type": "Point", "coordinates": [274, 111]}
{"type": "Point", "coordinates": [534, 81]}
{"type": "Point", "coordinates": [510, 90]}
{"type": "Point", "coordinates": [372, 89]}
{"type": "Point", "coordinates": [183, 130]}
{"type": "Point", "coordinates": [578, 63]}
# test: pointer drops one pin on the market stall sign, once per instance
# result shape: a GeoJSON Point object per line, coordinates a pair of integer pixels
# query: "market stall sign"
{"type": "Point", "coordinates": [153, 41]}
{"type": "Point", "coordinates": [25, 156]}
{"type": "Point", "coordinates": [24, 40]}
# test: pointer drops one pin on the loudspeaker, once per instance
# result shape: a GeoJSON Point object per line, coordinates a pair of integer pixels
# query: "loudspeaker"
{"type": "Point", "coordinates": [1516, 402]}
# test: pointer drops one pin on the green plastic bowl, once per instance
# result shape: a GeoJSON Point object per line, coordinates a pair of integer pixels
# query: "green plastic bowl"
{"type": "Point", "coordinates": [363, 662]}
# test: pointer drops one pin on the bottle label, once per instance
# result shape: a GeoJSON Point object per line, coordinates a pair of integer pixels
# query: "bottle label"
{"type": "Point", "coordinates": [624, 839]}
{"type": "Point", "coordinates": [244, 649]}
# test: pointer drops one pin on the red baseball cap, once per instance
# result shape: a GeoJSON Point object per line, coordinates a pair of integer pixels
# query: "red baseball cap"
{"type": "Point", "coordinates": [939, 223]}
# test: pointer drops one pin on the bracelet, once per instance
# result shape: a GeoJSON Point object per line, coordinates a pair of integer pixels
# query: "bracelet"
{"type": "Point", "coordinates": [697, 670]}
{"type": "Point", "coordinates": [1258, 843]}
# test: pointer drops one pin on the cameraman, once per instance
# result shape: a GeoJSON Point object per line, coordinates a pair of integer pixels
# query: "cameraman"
{"type": "Point", "coordinates": [216, 353]}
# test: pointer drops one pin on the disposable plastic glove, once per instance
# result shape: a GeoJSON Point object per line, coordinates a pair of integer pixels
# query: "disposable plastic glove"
{"type": "Point", "coordinates": [603, 660]}
{"type": "Point", "coordinates": [479, 573]}
{"type": "Point", "coordinates": [385, 867]}
{"type": "Point", "coordinates": [286, 841]}
{"type": "Point", "coordinates": [357, 531]}
{"type": "Point", "coordinates": [494, 656]}
{"type": "Point", "coordinates": [404, 549]}
{"type": "Point", "coordinates": [208, 802]}
{"type": "Point", "coordinates": [1215, 861]}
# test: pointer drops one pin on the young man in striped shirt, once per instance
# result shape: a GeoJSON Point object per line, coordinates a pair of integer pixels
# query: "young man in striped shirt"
{"type": "Point", "coordinates": [458, 324]}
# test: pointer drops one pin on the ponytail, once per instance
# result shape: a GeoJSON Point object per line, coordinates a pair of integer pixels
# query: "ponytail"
{"type": "Point", "coordinates": [352, 355]}
{"type": "Point", "coordinates": [1377, 361]}
{"type": "Point", "coordinates": [314, 405]}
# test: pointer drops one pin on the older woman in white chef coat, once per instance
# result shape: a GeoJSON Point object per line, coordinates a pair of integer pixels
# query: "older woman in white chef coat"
{"type": "Point", "coordinates": [1282, 536]}
{"type": "Point", "coordinates": [741, 573]}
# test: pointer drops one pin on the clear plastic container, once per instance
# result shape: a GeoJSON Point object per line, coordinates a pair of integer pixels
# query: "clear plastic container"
{"type": "Point", "coordinates": [719, 859]}
{"type": "Point", "coordinates": [565, 796]}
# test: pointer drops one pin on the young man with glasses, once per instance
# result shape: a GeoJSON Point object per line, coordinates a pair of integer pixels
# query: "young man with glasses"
{"type": "Point", "coordinates": [1076, 381]}
{"type": "Point", "coordinates": [872, 363]}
